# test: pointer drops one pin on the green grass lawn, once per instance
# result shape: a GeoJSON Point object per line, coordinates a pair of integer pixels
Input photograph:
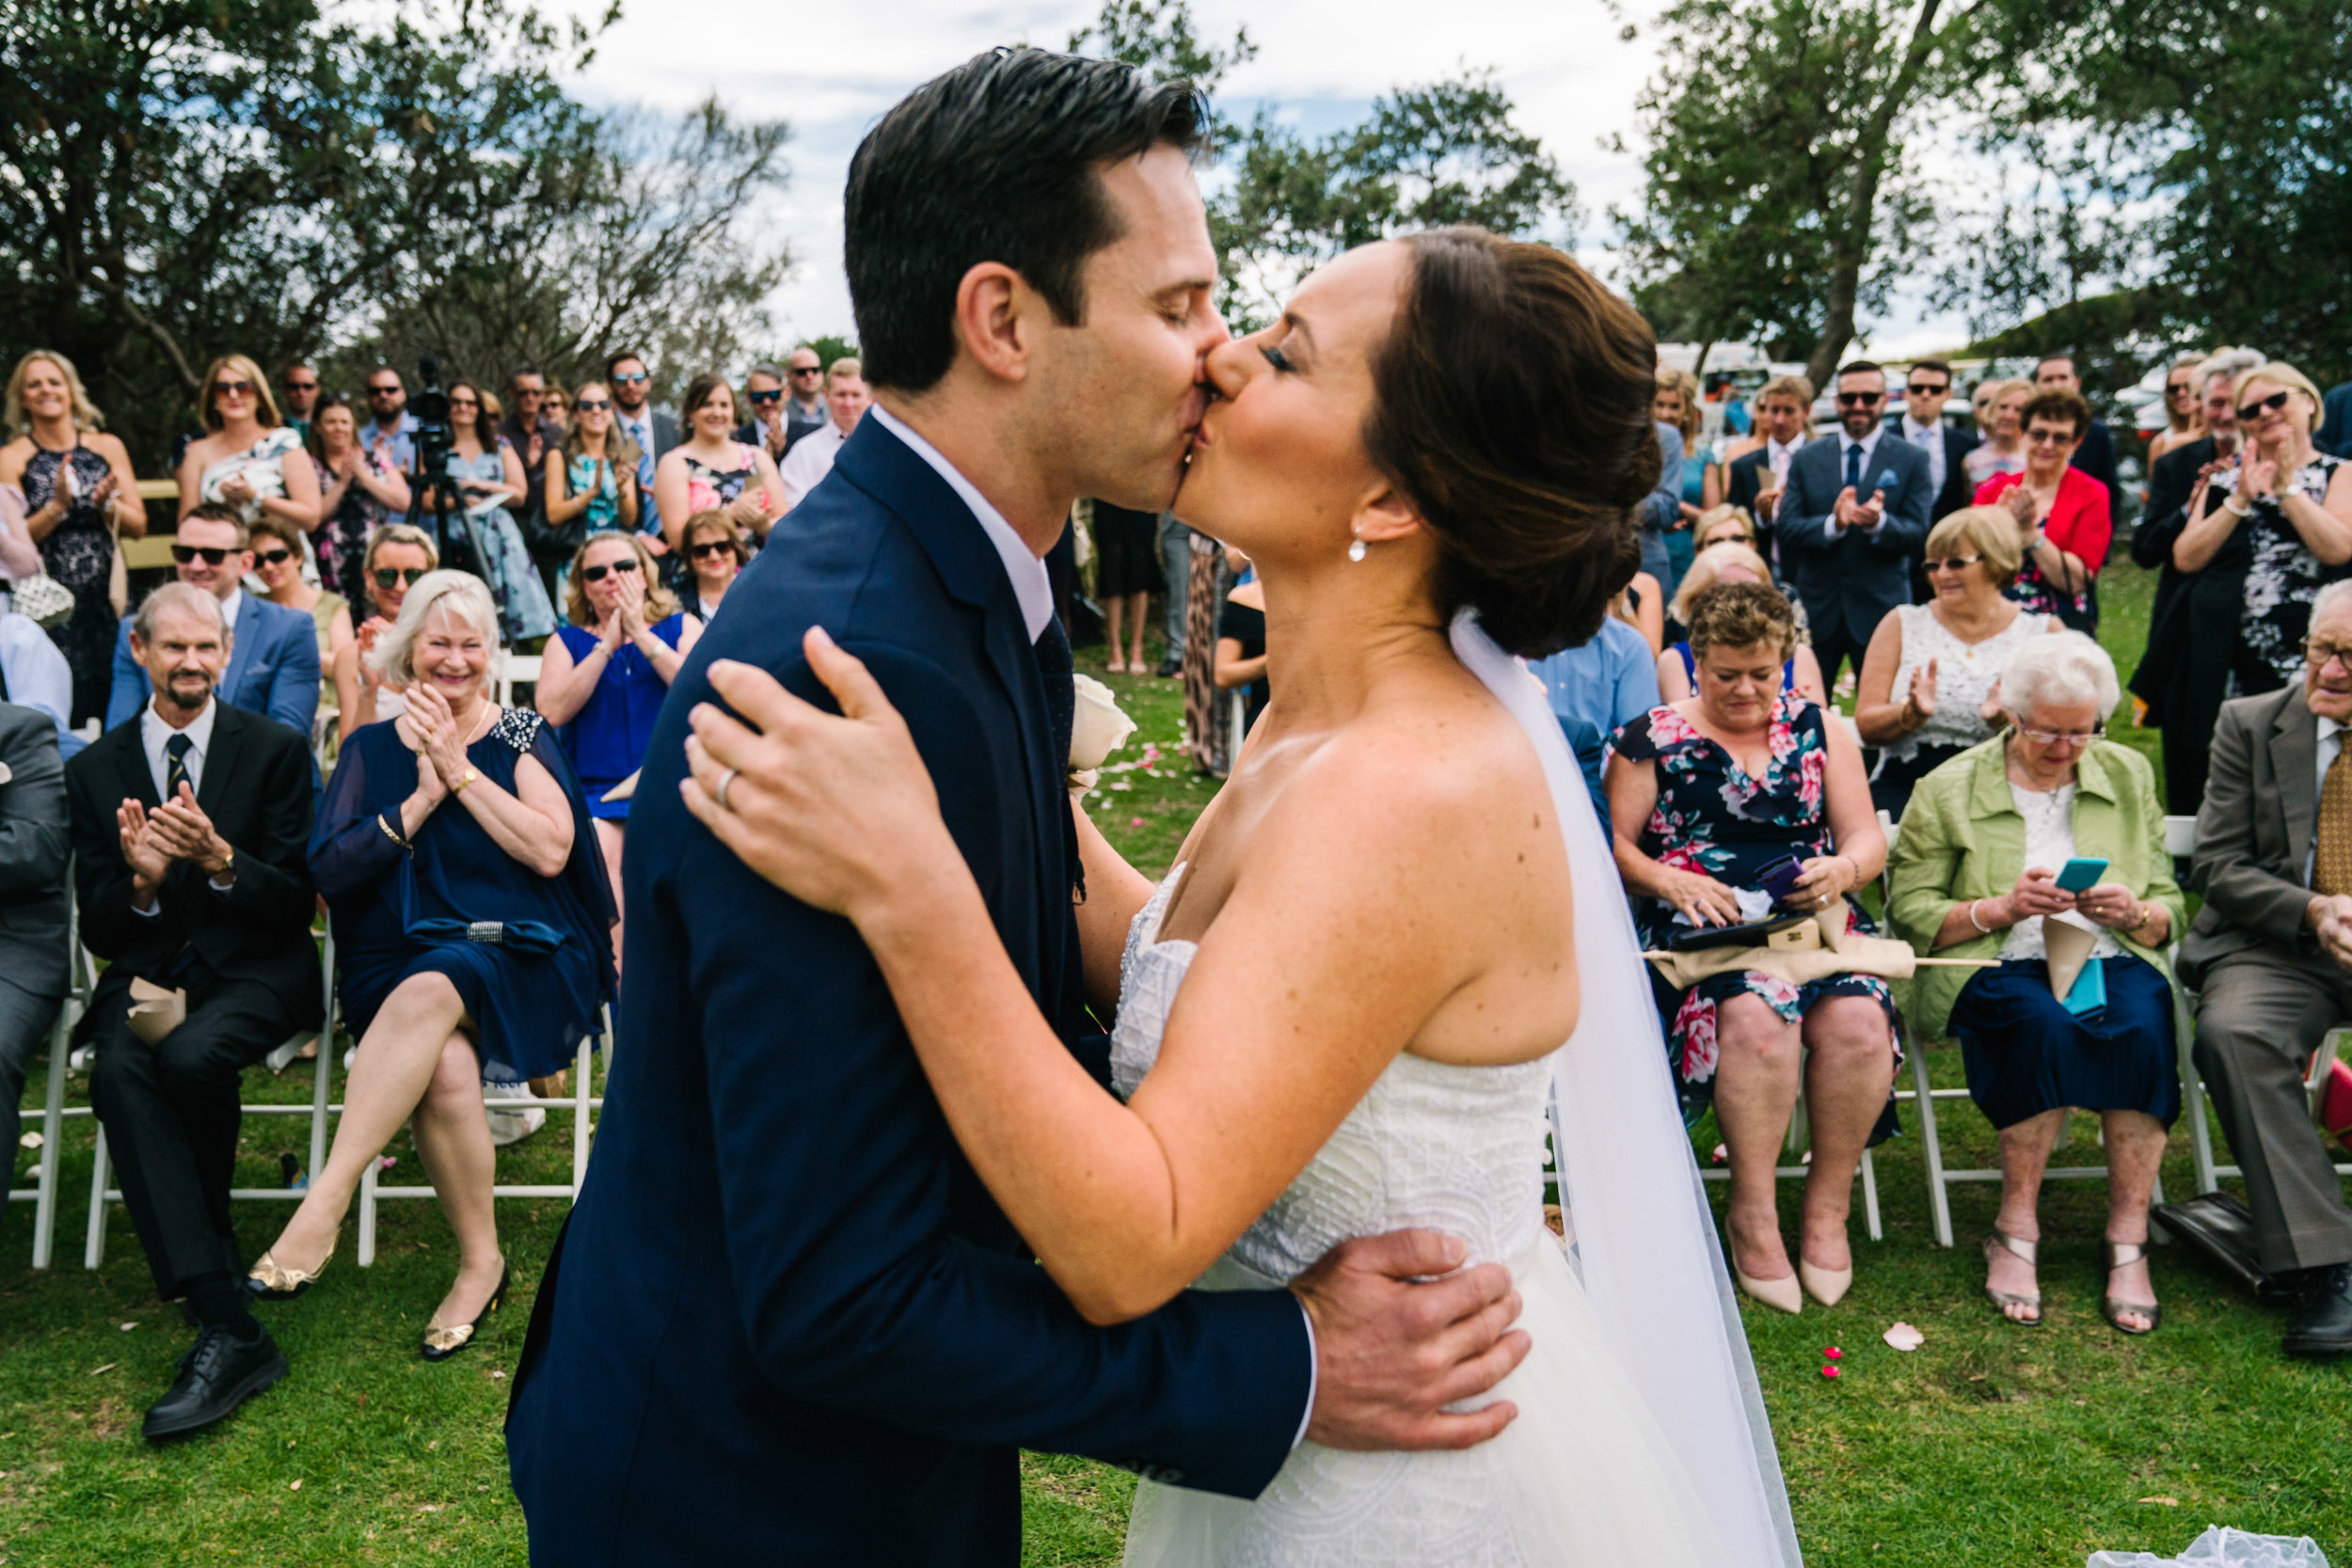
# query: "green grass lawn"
{"type": "Point", "coordinates": [1990, 1446]}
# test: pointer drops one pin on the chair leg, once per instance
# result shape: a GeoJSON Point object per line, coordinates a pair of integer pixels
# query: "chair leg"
{"type": "Point", "coordinates": [322, 1071]}
{"type": "Point", "coordinates": [367, 1216]}
{"type": "Point", "coordinates": [1939, 1191]}
{"type": "Point", "coordinates": [52, 1138]}
{"type": "Point", "coordinates": [94, 1244]}
{"type": "Point", "coordinates": [2193, 1103]}
{"type": "Point", "coordinates": [579, 1118]}
{"type": "Point", "coordinates": [1871, 1198]}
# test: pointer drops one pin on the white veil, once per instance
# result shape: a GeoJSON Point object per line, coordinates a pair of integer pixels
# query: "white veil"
{"type": "Point", "coordinates": [1644, 1236]}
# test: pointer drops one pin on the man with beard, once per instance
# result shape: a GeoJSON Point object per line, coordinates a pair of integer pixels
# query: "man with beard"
{"type": "Point", "coordinates": [191, 821]}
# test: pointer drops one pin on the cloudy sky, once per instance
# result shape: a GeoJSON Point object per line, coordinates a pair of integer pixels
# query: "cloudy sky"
{"type": "Point", "coordinates": [832, 68]}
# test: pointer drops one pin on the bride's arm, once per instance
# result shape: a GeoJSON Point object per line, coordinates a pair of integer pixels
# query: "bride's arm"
{"type": "Point", "coordinates": [1320, 966]}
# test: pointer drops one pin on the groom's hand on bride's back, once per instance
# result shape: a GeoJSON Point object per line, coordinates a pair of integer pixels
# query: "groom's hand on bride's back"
{"type": "Point", "coordinates": [1399, 1334]}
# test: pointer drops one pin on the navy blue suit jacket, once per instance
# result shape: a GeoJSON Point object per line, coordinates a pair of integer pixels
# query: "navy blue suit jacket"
{"type": "Point", "coordinates": [273, 666]}
{"type": "Point", "coordinates": [1850, 580]}
{"type": "Point", "coordinates": [786, 1324]}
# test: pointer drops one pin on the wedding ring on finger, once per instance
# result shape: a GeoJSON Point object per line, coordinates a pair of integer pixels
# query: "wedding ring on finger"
{"type": "Point", "coordinates": [720, 794]}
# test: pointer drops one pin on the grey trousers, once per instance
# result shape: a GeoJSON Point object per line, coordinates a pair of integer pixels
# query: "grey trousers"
{"type": "Point", "coordinates": [1176, 563]}
{"type": "Point", "coordinates": [2261, 1015]}
{"type": "Point", "coordinates": [24, 1020]}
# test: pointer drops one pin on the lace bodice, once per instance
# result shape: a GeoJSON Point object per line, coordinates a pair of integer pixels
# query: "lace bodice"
{"type": "Point", "coordinates": [1965, 675]}
{"type": "Point", "coordinates": [1457, 1149]}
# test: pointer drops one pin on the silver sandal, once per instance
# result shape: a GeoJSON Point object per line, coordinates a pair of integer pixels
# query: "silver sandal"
{"type": "Point", "coordinates": [2002, 1241]}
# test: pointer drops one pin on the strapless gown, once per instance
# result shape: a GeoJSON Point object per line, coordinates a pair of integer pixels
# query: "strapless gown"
{"type": "Point", "coordinates": [1584, 1478]}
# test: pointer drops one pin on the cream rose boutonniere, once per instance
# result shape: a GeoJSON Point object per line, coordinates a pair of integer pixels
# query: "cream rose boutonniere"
{"type": "Point", "coordinates": [1097, 728]}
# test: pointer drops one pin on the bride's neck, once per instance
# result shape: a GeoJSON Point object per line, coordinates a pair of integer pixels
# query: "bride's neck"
{"type": "Point", "coordinates": [1333, 632]}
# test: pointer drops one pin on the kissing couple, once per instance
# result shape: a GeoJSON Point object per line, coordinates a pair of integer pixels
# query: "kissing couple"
{"type": "Point", "coordinates": [874, 1205]}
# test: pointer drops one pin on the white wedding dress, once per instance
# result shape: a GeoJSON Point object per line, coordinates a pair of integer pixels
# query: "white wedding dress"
{"type": "Point", "coordinates": [1639, 1439]}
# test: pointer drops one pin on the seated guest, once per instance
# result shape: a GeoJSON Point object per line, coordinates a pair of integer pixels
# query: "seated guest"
{"type": "Point", "coordinates": [1976, 870]}
{"type": "Point", "coordinates": [1704, 795]}
{"type": "Point", "coordinates": [714, 554]}
{"type": "Point", "coordinates": [1925, 692]}
{"type": "Point", "coordinates": [189, 824]}
{"type": "Point", "coordinates": [1596, 688]}
{"type": "Point", "coordinates": [33, 859]}
{"type": "Point", "coordinates": [397, 556]}
{"type": "Point", "coordinates": [277, 562]}
{"type": "Point", "coordinates": [472, 935]}
{"type": "Point", "coordinates": [1643, 607]}
{"type": "Point", "coordinates": [274, 652]}
{"type": "Point", "coordinates": [602, 678]}
{"type": "Point", "coordinates": [1718, 563]}
{"type": "Point", "coordinates": [2274, 865]}
{"type": "Point", "coordinates": [2061, 512]}
{"type": "Point", "coordinates": [34, 673]}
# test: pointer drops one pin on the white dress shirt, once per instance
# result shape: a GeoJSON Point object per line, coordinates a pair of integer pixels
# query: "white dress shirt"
{"type": "Point", "coordinates": [153, 733]}
{"type": "Point", "coordinates": [1929, 438]}
{"type": "Point", "coordinates": [809, 461]}
{"type": "Point", "coordinates": [1026, 570]}
{"type": "Point", "coordinates": [1870, 445]}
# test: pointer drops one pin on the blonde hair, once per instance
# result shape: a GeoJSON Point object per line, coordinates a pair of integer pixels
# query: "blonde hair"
{"type": "Point", "coordinates": [1989, 531]}
{"type": "Point", "coordinates": [464, 596]}
{"type": "Point", "coordinates": [86, 413]}
{"type": "Point", "coordinates": [265, 405]}
{"type": "Point", "coordinates": [400, 533]}
{"type": "Point", "coordinates": [1708, 565]}
{"type": "Point", "coordinates": [2287, 376]}
{"type": "Point", "coordinates": [660, 604]}
{"type": "Point", "coordinates": [1715, 515]}
{"type": "Point", "coordinates": [1798, 386]}
{"type": "Point", "coordinates": [849, 364]}
{"type": "Point", "coordinates": [1687, 384]}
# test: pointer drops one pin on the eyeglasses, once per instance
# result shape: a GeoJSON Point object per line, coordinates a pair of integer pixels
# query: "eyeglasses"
{"type": "Point", "coordinates": [465, 402]}
{"type": "Point", "coordinates": [2174, 388]}
{"type": "Point", "coordinates": [2048, 437]}
{"type": "Point", "coordinates": [1920, 389]}
{"type": "Point", "coordinates": [808, 370]}
{"type": "Point", "coordinates": [383, 391]}
{"type": "Point", "coordinates": [232, 388]}
{"type": "Point", "coordinates": [1953, 563]}
{"type": "Point", "coordinates": [595, 574]}
{"type": "Point", "coordinates": [1859, 400]}
{"type": "Point", "coordinates": [2064, 738]}
{"type": "Point", "coordinates": [2249, 413]}
{"type": "Point", "coordinates": [184, 554]}
{"type": "Point", "coordinates": [592, 406]}
{"type": "Point", "coordinates": [709, 550]}
{"type": "Point", "coordinates": [392, 577]}
{"type": "Point", "coordinates": [766, 397]}
{"type": "Point", "coordinates": [302, 385]}
{"type": "Point", "coordinates": [630, 380]}
{"type": "Point", "coordinates": [271, 558]}
{"type": "Point", "coordinates": [2317, 654]}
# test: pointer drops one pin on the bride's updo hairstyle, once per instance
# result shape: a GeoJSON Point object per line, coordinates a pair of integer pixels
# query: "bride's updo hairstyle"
{"type": "Point", "coordinates": [1511, 403]}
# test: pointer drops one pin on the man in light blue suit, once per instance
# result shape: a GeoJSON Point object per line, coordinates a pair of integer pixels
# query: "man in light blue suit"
{"type": "Point", "coordinates": [273, 651]}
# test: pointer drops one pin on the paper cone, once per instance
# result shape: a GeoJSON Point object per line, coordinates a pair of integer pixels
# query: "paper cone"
{"type": "Point", "coordinates": [154, 1011]}
{"type": "Point", "coordinates": [2068, 946]}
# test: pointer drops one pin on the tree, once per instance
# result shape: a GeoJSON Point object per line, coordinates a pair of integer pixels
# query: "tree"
{"type": "Point", "coordinates": [1157, 37]}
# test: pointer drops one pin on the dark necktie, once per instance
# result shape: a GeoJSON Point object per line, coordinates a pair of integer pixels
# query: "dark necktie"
{"type": "Point", "coordinates": [1061, 692]}
{"type": "Point", "coordinates": [1853, 469]}
{"type": "Point", "coordinates": [176, 751]}
{"type": "Point", "coordinates": [2331, 847]}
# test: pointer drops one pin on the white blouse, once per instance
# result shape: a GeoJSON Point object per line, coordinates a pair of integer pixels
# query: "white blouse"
{"type": "Point", "coordinates": [2050, 842]}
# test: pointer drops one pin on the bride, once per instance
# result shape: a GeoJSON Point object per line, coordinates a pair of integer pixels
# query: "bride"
{"type": "Point", "coordinates": [1343, 1011]}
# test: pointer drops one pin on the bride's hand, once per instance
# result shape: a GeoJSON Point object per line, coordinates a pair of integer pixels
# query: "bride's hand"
{"type": "Point", "coordinates": [838, 811]}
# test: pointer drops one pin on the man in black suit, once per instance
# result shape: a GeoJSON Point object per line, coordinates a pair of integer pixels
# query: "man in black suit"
{"type": "Point", "coordinates": [33, 855]}
{"type": "Point", "coordinates": [1926, 389]}
{"type": "Point", "coordinates": [1854, 515]}
{"type": "Point", "coordinates": [2096, 455]}
{"type": "Point", "coordinates": [1784, 418]}
{"type": "Point", "coordinates": [191, 827]}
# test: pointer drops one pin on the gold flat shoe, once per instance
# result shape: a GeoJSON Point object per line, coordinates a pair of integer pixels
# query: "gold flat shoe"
{"type": "Point", "coordinates": [441, 1343]}
{"type": "Point", "coordinates": [272, 1281]}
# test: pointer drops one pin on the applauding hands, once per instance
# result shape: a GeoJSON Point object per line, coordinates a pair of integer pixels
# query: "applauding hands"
{"type": "Point", "coordinates": [178, 830]}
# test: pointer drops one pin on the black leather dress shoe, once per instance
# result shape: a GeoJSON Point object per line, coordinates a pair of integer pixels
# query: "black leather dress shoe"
{"type": "Point", "coordinates": [2324, 1326]}
{"type": "Point", "coordinates": [220, 1372]}
{"type": "Point", "coordinates": [1169, 667]}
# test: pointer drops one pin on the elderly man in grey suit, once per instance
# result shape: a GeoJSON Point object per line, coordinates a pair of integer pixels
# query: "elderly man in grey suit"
{"type": "Point", "coordinates": [1855, 514]}
{"type": "Point", "coordinates": [2270, 953]}
{"type": "Point", "coordinates": [33, 855]}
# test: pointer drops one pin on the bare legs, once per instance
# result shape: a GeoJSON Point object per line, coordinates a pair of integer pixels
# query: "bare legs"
{"type": "Point", "coordinates": [2135, 1142]}
{"type": "Point", "coordinates": [610, 833]}
{"type": "Point", "coordinates": [453, 1137]}
{"type": "Point", "coordinates": [1114, 610]}
{"type": "Point", "coordinates": [1129, 611]}
{"type": "Point", "coordinates": [1847, 1065]}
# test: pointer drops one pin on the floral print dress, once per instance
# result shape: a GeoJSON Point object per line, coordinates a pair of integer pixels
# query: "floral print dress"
{"type": "Point", "coordinates": [2281, 581]}
{"type": "Point", "coordinates": [1711, 817]}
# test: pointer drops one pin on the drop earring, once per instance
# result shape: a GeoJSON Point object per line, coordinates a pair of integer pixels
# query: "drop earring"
{"type": "Point", "coordinates": [1356, 550]}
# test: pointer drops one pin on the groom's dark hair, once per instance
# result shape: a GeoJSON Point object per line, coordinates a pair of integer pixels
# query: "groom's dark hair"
{"type": "Point", "coordinates": [998, 160]}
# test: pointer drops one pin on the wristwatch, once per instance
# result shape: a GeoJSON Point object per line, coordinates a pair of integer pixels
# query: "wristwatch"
{"type": "Point", "coordinates": [465, 778]}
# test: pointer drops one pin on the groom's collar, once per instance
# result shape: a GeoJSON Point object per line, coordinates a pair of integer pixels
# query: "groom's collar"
{"type": "Point", "coordinates": [1031, 584]}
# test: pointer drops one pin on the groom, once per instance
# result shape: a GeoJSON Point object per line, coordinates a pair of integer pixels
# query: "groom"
{"type": "Point", "coordinates": [786, 1324]}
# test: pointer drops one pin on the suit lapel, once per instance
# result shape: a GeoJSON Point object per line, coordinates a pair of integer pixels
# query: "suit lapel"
{"type": "Point", "coordinates": [2294, 752]}
{"type": "Point", "coordinates": [131, 762]}
{"type": "Point", "coordinates": [244, 635]}
{"type": "Point", "coordinates": [220, 759]}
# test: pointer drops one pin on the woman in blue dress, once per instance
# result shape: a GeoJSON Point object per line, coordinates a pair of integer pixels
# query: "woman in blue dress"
{"type": "Point", "coordinates": [472, 929]}
{"type": "Point", "coordinates": [602, 678]}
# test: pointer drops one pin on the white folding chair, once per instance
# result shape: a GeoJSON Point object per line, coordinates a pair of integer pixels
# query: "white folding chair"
{"type": "Point", "coordinates": [43, 1195]}
{"type": "Point", "coordinates": [514, 671]}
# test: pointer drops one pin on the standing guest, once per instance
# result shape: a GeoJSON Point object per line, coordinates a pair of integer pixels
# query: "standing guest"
{"type": "Point", "coordinates": [1927, 688]}
{"type": "Point", "coordinates": [805, 411]}
{"type": "Point", "coordinates": [1594, 688]}
{"type": "Point", "coordinates": [1925, 390]}
{"type": "Point", "coordinates": [299, 381]}
{"type": "Point", "coordinates": [1727, 561]}
{"type": "Point", "coordinates": [1704, 795]}
{"type": "Point", "coordinates": [34, 674]}
{"type": "Point", "coordinates": [604, 675]}
{"type": "Point", "coordinates": [2003, 449]}
{"type": "Point", "coordinates": [34, 854]}
{"type": "Point", "coordinates": [593, 470]}
{"type": "Point", "coordinates": [250, 462]}
{"type": "Point", "coordinates": [2183, 410]}
{"type": "Point", "coordinates": [1661, 511]}
{"type": "Point", "coordinates": [79, 494]}
{"type": "Point", "coordinates": [397, 558]}
{"type": "Point", "coordinates": [488, 474]}
{"type": "Point", "coordinates": [713, 470]}
{"type": "Point", "coordinates": [1856, 512]}
{"type": "Point", "coordinates": [277, 562]}
{"type": "Point", "coordinates": [456, 815]}
{"type": "Point", "coordinates": [1675, 403]}
{"type": "Point", "coordinates": [1757, 471]}
{"type": "Point", "coordinates": [557, 406]}
{"type": "Point", "coordinates": [1126, 570]}
{"type": "Point", "coordinates": [270, 665]}
{"type": "Point", "coordinates": [2334, 435]}
{"type": "Point", "coordinates": [359, 493]}
{"type": "Point", "coordinates": [2266, 955]}
{"type": "Point", "coordinates": [531, 431]}
{"type": "Point", "coordinates": [1974, 876]}
{"type": "Point", "coordinates": [653, 429]}
{"type": "Point", "coordinates": [714, 555]}
{"type": "Point", "coordinates": [847, 398]}
{"type": "Point", "coordinates": [1241, 652]}
{"type": "Point", "coordinates": [768, 428]}
{"type": "Point", "coordinates": [189, 824]}
{"type": "Point", "coordinates": [1175, 546]}
{"type": "Point", "coordinates": [2095, 454]}
{"type": "Point", "coordinates": [2293, 505]}
{"type": "Point", "coordinates": [390, 431]}
{"type": "Point", "coordinates": [2062, 516]}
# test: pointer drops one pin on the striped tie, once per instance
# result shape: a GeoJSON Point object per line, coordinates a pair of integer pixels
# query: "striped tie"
{"type": "Point", "coordinates": [2331, 859]}
{"type": "Point", "coordinates": [176, 751]}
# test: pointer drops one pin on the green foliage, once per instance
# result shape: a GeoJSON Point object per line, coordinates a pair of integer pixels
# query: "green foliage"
{"type": "Point", "coordinates": [1157, 37]}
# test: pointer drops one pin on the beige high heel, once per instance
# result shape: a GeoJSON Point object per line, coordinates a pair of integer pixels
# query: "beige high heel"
{"type": "Point", "coordinates": [1784, 1292]}
{"type": "Point", "coordinates": [1826, 1286]}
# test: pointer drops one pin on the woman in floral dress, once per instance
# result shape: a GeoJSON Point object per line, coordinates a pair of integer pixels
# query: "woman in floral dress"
{"type": "Point", "coordinates": [359, 493]}
{"type": "Point", "coordinates": [1704, 795]}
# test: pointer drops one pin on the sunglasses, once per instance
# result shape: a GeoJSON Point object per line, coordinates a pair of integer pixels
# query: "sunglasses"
{"type": "Point", "coordinates": [271, 558]}
{"type": "Point", "coordinates": [302, 385]}
{"type": "Point", "coordinates": [711, 549]}
{"type": "Point", "coordinates": [630, 380]}
{"type": "Point", "coordinates": [2174, 388]}
{"type": "Point", "coordinates": [1953, 563]}
{"type": "Point", "coordinates": [1918, 390]}
{"type": "Point", "coordinates": [766, 397]}
{"type": "Point", "coordinates": [2253, 411]}
{"type": "Point", "coordinates": [592, 406]}
{"type": "Point", "coordinates": [595, 574]}
{"type": "Point", "coordinates": [808, 370]}
{"type": "Point", "coordinates": [392, 577]}
{"type": "Point", "coordinates": [383, 391]}
{"type": "Point", "coordinates": [184, 554]}
{"type": "Point", "coordinates": [1859, 400]}
{"type": "Point", "coordinates": [232, 388]}
{"type": "Point", "coordinates": [464, 403]}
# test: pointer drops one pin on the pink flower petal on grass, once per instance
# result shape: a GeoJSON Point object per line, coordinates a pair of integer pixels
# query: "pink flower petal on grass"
{"type": "Point", "coordinates": [1829, 1371]}
{"type": "Point", "coordinates": [1135, 822]}
{"type": "Point", "coordinates": [1904, 1336]}
{"type": "Point", "coordinates": [1832, 1352]}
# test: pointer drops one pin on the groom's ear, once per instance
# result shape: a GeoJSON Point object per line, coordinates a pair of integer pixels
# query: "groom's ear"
{"type": "Point", "coordinates": [997, 319]}
{"type": "Point", "coordinates": [1387, 513]}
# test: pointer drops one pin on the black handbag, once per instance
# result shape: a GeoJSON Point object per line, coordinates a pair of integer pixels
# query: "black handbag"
{"type": "Point", "coordinates": [552, 544]}
{"type": "Point", "coordinates": [2220, 1229]}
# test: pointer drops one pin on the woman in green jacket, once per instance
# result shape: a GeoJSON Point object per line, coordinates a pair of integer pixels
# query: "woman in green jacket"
{"type": "Point", "coordinates": [1974, 874]}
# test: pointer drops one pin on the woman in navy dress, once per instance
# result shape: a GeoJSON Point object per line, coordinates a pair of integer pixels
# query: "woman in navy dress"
{"type": "Point", "coordinates": [602, 678]}
{"type": "Point", "coordinates": [472, 929]}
